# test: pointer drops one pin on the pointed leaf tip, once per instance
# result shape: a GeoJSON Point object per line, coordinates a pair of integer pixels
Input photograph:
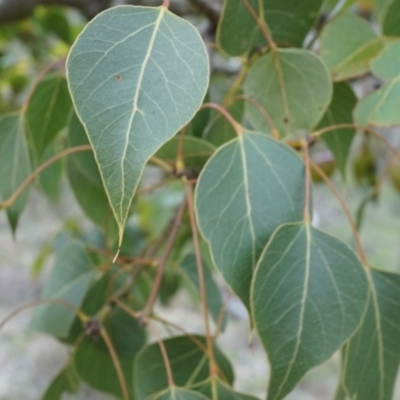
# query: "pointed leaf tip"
{"type": "Point", "coordinates": [137, 75]}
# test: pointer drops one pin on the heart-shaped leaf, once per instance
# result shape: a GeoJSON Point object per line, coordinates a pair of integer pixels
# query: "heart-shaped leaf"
{"type": "Point", "coordinates": [247, 189]}
{"type": "Point", "coordinates": [308, 296]}
{"type": "Point", "coordinates": [137, 75]}
{"type": "Point", "coordinates": [294, 88]}
{"type": "Point", "coordinates": [371, 358]}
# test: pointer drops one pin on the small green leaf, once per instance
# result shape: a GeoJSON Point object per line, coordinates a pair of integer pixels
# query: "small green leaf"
{"type": "Point", "coordinates": [214, 298]}
{"type": "Point", "coordinates": [340, 111]}
{"type": "Point", "coordinates": [175, 393]}
{"type": "Point", "coordinates": [371, 358]}
{"type": "Point", "coordinates": [288, 21]}
{"type": "Point", "coordinates": [348, 43]}
{"type": "Point", "coordinates": [14, 164]}
{"type": "Point", "coordinates": [189, 364]}
{"type": "Point", "coordinates": [391, 18]}
{"type": "Point", "coordinates": [380, 108]}
{"type": "Point", "coordinates": [137, 75]}
{"type": "Point", "coordinates": [309, 292]}
{"type": "Point", "coordinates": [65, 382]}
{"type": "Point", "coordinates": [69, 281]}
{"type": "Point", "coordinates": [93, 361]}
{"type": "Point", "coordinates": [47, 111]}
{"type": "Point", "coordinates": [195, 151]}
{"type": "Point", "coordinates": [294, 88]}
{"type": "Point", "coordinates": [247, 189]}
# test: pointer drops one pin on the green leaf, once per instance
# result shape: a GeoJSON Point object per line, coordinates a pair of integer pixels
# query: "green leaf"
{"type": "Point", "coordinates": [247, 189]}
{"type": "Point", "coordinates": [189, 364]}
{"type": "Point", "coordinates": [175, 393]}
{"type": "Point", "coordinates": [85, 179]}
{"type": "Point", "coordinates": [14, 164]}
{"type": "Point", "coordinates": [380, 108]}
{"type": "Point", "coordinates": [288, 21]}
{"type": "Point", "coordinates": [219, 130]}
{"type": "Point", "coordinates": [294, 88]}
{"type": "Point", "coordinates": [348, 43]}
{"type": "Point", "coordinates": [65, 382]}
{"type": "Point", "coordinates": [50, 178]}
{"type": "Point", "coordinates": [340, 111]}
{"type": "Point", "coordinates": [309, 292]}
{"type": "Point", "coordinates": [92, 358]}
{"type": "Point", "coordinates": [69, 281]}
{"type": "Point", "coordinates": [137, 75]}
{"type": "Point", "coordinates": [214, 298]}
{"type": "Point", "coordinates": [47, 111]}
{"type": "Point", "coordinates": [224, 392]}
{"type": "Point", "coordinates": [200, 120]}
{"type": "Point", "coordinates": [195, 151]}
{"type": "Point", "coordinates": [371, 358]}
{"type": "Point", "coordinates": [391, 18]}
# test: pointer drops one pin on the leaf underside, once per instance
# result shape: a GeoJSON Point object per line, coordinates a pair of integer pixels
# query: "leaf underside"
{"type": "Point", "coordinates": [309, 292]}
{"type": "Point", "coordinates": [137, 75]}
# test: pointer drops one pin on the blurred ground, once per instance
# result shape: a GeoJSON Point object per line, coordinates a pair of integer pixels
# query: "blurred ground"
{"type": "Point", "coordinates": [29, 360]}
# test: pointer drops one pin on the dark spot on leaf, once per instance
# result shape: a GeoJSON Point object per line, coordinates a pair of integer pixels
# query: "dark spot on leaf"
{"type": "Point", "coordinates": [118, 77]}
{"type": "Point", "coordinates": [286, 120]}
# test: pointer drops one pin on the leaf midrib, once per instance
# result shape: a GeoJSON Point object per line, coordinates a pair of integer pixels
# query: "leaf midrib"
{"type": "Point", "coordinates": [135, 106]}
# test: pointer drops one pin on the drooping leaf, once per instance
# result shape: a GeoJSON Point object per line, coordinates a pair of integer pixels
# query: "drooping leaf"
{"type": "Point", "coordinates": [340, 111]}
{"type": "Point", "coordinates": [288, 21]}
{"type": "Point", "coordinates": [391, 18]}
{"type": "Point", "coordinates": [69, 281]}
{"type": "Point", "coordinates": [380, 108]}
{"type": "Point", "coordinates": [189, 364]}
{"type": "Point", "coordinates": [348, 44]}
{"type": "Point", "coordinates": [137, 75]}
{"type": "Point", "coordinates": [65, 382]}
{"type": "Point", "coordinates": [308, 296]}
{"type": "Point", "coordinates": [248, 188]}
{"type": "Point", "coordinates": [93, 361]}
{"type": "Point", "coordinates": [195, 151]}
{"type": "Point", "coordinates": [14, 164]}
{"type": "Point", "coordinates": [294, 88]}
{"type": "Point", "coordinates": [85, 179]}
{"type": "Point", "coordinates": [214, 298]}
{"type": "Point", "coordinates": [371, 358]}
{"type": "Point", "coordinates": [223, 391]}
{"type": "Point", "coordinates": [176, 393]}
{"type": "Point", "coordinates": [50, 178]}
{"type": "Point", "coordinates": [47, 111]}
